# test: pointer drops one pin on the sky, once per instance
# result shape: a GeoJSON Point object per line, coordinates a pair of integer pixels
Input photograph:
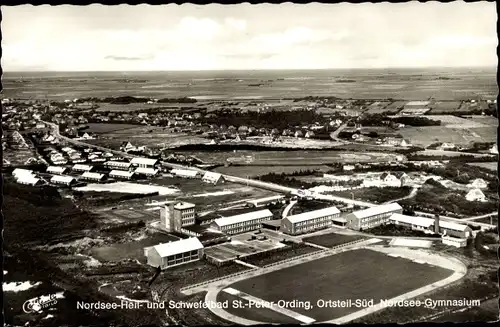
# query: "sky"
{"type": "Point", "coordinates": [244, 36]}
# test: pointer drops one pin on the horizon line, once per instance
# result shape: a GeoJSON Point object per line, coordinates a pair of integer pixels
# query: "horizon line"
{"type": "Point", "coordinates": [236, 69]}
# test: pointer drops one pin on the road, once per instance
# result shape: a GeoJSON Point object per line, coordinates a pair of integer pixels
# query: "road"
{"type": "Point", "coordinates": [258, 184]}
{"type": "Point", "coordinates": [409, 196]}
{"type": "Point", "coordinates": [459, 220]}
{"type": "Point", "coordinates": [482, 216]}
{"type": "Point", "coordinates": [335, 135]}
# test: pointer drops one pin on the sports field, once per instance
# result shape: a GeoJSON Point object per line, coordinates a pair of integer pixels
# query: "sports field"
{"type": "Point", "coordinates": [356, 275]}
{"type": "Point", "coordinates": [425, 136]}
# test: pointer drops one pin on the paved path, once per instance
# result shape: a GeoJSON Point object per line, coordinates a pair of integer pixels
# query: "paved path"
{"type": "Point", "coordinates": [414, 255]}
{"type": "Point", "coordinates": [246, 264]}
{"type": "Point", "coordinates": [316, 246]}
{"type": "Point", "coordinates": [482, 216]}
{"type": "Point", "coordinates": [458, 220]}
{"type": "Point", "coordinates": [409, 196]}
{"type": "Point", "coordinates": [288, 208]}
{"type": "Point", "coordinates": [272, 306]}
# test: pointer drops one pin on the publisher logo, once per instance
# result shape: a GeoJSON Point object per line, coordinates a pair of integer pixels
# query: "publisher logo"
{"type": "Point", "coordinates": [37, 304]}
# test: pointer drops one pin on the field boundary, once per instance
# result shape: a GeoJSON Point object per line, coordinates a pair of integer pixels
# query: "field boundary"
{"type": "Point", "coordinates": [270, 267]}
{"type": "Point", "coordinates": [458, 267]}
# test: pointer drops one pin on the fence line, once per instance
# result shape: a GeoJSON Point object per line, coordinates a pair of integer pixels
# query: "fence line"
{"type": "Point", "coordinates": [272, 264]}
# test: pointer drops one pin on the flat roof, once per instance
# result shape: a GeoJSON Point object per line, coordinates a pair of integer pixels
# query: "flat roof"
{"type": "Point", "coordinates": [196, 228]}
{"type": "Point", "coordinates": [27, 179]}
{"type": "Point", "coordinates": [82, 167]}
{"type": "Point", "coordinates": [412, 220]}
{"type": "Point", "coordinates": [121, 173]}
{"type": "Point", "coordinates": [427, 222]}
{"type": "Point", "coordinates": [142, 170]}
{"type": "Point", "coordinates": [384, 208]}
{"type": "Point", "coordinates": [64, 179]}
{"type": "Point", "coordinates": [313, 214]}
{"type": "Point", "coordinates": [144, 161]}
{"type": "Point", "coordinates": [184, 205]}
{"type": "Point", "coordinates": [177, 247]}
{"type": "Point", "coordinates": [243, 217]}
{"type": "Point", "coordinates": [417, 103]}
{"type": "Point", "coordinates": [56, 168]}
{"type": "Point", "coordinates": [118, 163]}
{"type": "Point", "coordinates": [185, 172]}
{"type": "Point", "coordinates": [340, 220]}
{"type": "Point", "coordinates": [92, 175]}
{"type": "Point", "coordinates": [20, 171]}
{"type": "Point", "coordinates": [212, 175]}
{"type": "Point", "coordinates": [452, 226]}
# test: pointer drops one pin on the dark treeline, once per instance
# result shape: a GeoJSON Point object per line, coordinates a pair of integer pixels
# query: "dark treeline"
{"type": "Point", "coordinates": [416, 121]}
{"type": "Point", "coordinates": [285, 179]}
{"type": "Point", "coordinates": [315, 98]}
{"type": "Point", "coordinates": [271, 119]}
{"type": "Point", "coordinates": [381, 119]}
{"type": "Point", "coordinates": [131, 99]}
{"type": "Point", "coordinates": [461, 158]}
{"type": "Point", "coordinates": [231, 147]}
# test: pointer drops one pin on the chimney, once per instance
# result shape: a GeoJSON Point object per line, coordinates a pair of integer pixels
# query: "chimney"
{"type": "Point", "coordinates": [436, 223]}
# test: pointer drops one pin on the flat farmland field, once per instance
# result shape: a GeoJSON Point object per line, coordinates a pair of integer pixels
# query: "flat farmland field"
{"type": "Point", "coordinates": [445, 107]}
{"type": "Point", "coordinates": [493, 166]}
{"type": "Point", "coordinates": [457, 122]}
{"type": "Point", "coordinates": [377, 107]}
{"type": "Point", "coordinates": [142, 106]}
{"type": "Point", "coordinates": [244, 171]}
{"type": "Point", "coordinates": [357, 274]}
{"type": "Point", "coordinates": [425, 136]}
{"type": "Point", "coordinates": [332, 239]}
{"type": "Point", "coordinates": [485, 120]}
{"type": "Point", "coordinates": [395, 107]}
{"type": "Point", "coordinates": [99, 128]}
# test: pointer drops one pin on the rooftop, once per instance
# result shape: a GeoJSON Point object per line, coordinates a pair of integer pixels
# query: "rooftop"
{"type": "Point", "coordinates": [180, 246]}
{"type": "Point", "coordinates": [211, 175]}
{"type": "Point", "coordinates": [92, 175]}
{"type": "Point", "coordinates": [185, 172]}
{"type": "Point", "coordinates": [184, 205]}
{"type": "Point", "coordinates": [417, 103]}
{"type": "Point", "coordinates": [19, 171]}
{"type": "Point", "coordinates": [385, 208]}
{"type": "Point", "coordinates": [82, 167]}
{"type": "Point", "coordinates": [144, 161]}
{"type": "Point", "coordinates": [313, 214]}
{"type": "Point", "coordinates": [64, 179]}
{"type": "Point", "coordinates": [118, 163]}
{"type": "Point", "coordinates": [244, 217]}
{"type": "Point", "coordinates": [121, 173]}
{"type": "Point", "coordinates": [142, 170]}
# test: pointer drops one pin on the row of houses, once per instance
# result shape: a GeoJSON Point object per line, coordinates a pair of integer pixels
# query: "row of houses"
{"type": "Point", "coordinates": [26, 177]}
{"type": "Point", "coordinates": [392, 214]}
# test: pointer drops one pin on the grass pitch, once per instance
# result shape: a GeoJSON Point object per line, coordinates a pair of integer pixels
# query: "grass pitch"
{"type": "Point", "coordinates": [358, 274]}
